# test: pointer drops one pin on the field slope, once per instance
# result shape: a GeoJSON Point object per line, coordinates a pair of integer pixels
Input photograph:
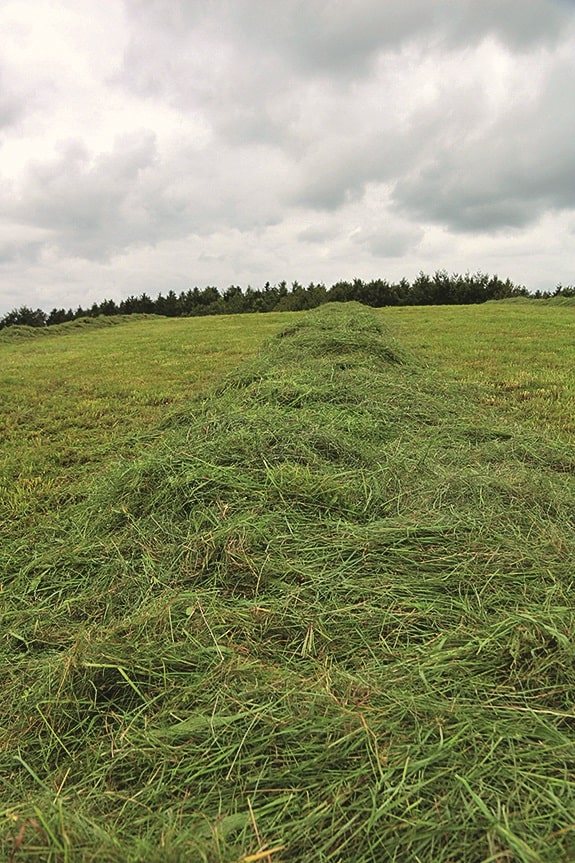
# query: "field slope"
{"type": "Point", "coordinates": [326, 616]}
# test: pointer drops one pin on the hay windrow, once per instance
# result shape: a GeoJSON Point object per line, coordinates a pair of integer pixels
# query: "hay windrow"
{"type": "Point", "coordinates": [333, 603]}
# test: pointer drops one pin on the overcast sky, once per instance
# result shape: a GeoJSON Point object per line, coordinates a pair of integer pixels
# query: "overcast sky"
{"type": "Point", "coordinates": [149, 145]}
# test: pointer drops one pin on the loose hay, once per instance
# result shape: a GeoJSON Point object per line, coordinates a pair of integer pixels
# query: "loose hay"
{"type": "Point", "coordinates": [329, 618]}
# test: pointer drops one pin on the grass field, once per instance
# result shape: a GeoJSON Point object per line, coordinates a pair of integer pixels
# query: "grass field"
{"type": "Point", "coordinates": [520, 354]}
{"type": "Point", "coordinates": [93, 392]}
{"type": "Point", "coordinates": [311, 603]}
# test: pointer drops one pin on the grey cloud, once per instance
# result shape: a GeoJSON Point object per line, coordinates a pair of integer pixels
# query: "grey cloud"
{"type": "Point", "coordinates": [244, 63]}
{"type": "Point", "coordinates": [337, 169]}
{"type": "Point", "coordinates": [17, 251]}
{"type": "Point", "coordinates": [244, 95]}
{"type": "Point", "coordinates": [10, 111]}
{"type": "Point", "coordinates": [95, 207]}
{"type": "Point", "coordinates": [333, 38]}
{"type": "Point", "coordinates": [342, 37]}
{"type": "Point", "coordinates": [519, 24]}
{"type": "Point", "coordinates": [328, 185]}
{"type": "Point", "coordinates": [89, 205]}
{"type": "Point", "coordinates": [363, 142]}
{"type": "Point", "coordinates": [520, 166]}
{"type": "Point", "coordinates": [387, 240]}
{"type": "Point", "coordinates": [12, 101]}
{"type": "Point", "coordinates": [316, 233]}
{"type": "Point", "coordinates": [22, 98]}
{"type": "Point", "coordinates": [265, 73]}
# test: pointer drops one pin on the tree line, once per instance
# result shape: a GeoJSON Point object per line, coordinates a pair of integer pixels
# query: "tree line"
{"type": "Point", "coordinates": [439, 289]}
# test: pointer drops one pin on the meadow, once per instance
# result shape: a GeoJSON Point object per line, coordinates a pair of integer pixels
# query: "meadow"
{"type": "Point", "coordinates": [289, 587]}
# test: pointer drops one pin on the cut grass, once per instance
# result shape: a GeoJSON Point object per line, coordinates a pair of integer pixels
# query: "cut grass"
{"type": "Point", "coordinates": [518, 354]}
{"type": "Point", "coordinates": [77, 396]}
{"type": "Point", "coordinates": [328, 612]}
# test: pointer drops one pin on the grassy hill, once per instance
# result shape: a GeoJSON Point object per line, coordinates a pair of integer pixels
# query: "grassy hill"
{"type": "Point", "coordinates": [318, 609]}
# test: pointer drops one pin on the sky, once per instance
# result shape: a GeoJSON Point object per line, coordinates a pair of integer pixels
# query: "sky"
{"type": "Point", "coordinates": [155, 145]}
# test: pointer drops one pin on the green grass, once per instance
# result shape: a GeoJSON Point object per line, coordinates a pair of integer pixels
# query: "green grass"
{"type": "Point", "coordinates": [79, 395]}
{"type": "Point", "coordinates": [520, 355]}
{"type": "Point", "coordinates": [321, 612]}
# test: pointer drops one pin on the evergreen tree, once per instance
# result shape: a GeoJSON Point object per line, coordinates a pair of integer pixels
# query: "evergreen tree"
{"type": "Point", "coordinates": [24, 316]}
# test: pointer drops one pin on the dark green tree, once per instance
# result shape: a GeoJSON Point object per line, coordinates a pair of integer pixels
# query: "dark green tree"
{"type": "Point", "coordinates": [24, 316]}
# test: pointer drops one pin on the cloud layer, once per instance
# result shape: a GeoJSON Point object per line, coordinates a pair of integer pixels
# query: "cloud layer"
{"type": "Point", "coordinates": [154, 145]}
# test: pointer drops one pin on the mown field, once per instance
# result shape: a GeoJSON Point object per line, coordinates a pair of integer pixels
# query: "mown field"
{"type": "Point", "coordinates": [311, 602]}
{"type": "Point", "coordinates": [90, 393]}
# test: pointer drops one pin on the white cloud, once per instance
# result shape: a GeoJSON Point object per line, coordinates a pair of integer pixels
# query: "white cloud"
{"type": "Point", "coordinates": [146, 145]}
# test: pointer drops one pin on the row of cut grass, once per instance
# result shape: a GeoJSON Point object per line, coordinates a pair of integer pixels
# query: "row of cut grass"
{"type": "Point", "coordinates": [327, 612]}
